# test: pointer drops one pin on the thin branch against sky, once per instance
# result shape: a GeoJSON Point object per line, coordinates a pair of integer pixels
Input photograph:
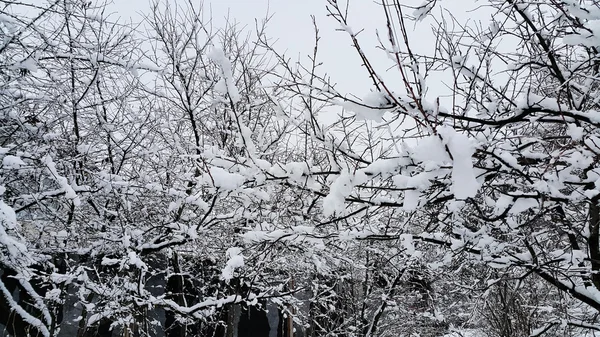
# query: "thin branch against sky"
{"type": "Point", "coordinates": [290, 25]}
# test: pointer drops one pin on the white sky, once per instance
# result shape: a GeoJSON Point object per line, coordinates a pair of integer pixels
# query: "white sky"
{"type": "Point", "coordinates": [291, 25]}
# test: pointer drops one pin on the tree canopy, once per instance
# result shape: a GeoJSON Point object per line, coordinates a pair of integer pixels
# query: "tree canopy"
{"type": "Point", "coordinates": [173, 178]}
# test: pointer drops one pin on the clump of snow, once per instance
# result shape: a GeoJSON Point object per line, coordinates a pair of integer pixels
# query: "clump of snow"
{"type": "Point", "coordinates": [133, 259]}
{"type": "Point", "coordinates": [226, 84]}
{"type": "Point", "coordinates": [62, 181]}
{"type": "Point", "coordinates": [235, 260]}
{"type": "Point", "coordinates": [407, 243]}
{"type": "Point", "coordinates": [8, 218]}
{"type": "Point", "coordinates": [413, 185]}
{"type": "Point", "coordinates": [575, 132]}
{"type": "Point", "coordinates": [197, 201]}
{"type": "Point", "coordinates": [539, 101]}
{"type": "Point", "coordinates": [523, 204]}
{"type": "Point", "coordinates": [334, 202]}
{"type": "Point", "coordinates": [464, 180]}
{"type": "Point", "coordinates": [503, 202]}
{"type": "Point", "coordinates": [385, 167]}
{"type": "Point", "coordinates": [226, 180]}
{"type": "Point", "coordinates": [411, 200]}
{"type": "Point", "coordinates": [106, 261]}
{"type": "Point", "coordinates": [430, 150]}
{"type": "Point", "coordinates": [372, 108]}
{"type": "Point", "coordinates": [12, 162]}
{"type": "Point", "coordinates": [15, 249]}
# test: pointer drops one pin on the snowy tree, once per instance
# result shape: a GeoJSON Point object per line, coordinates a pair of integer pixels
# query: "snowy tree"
{"type": "Point", "coordinates": [178, 178]}
{"type": "Point", "coordinates": [124, 167]}
{"type": "Point", "coordinates": [499, 177]}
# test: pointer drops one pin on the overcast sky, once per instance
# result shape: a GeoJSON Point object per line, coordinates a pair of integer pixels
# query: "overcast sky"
{"type": "Point", "coordinates": [292, 27]}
